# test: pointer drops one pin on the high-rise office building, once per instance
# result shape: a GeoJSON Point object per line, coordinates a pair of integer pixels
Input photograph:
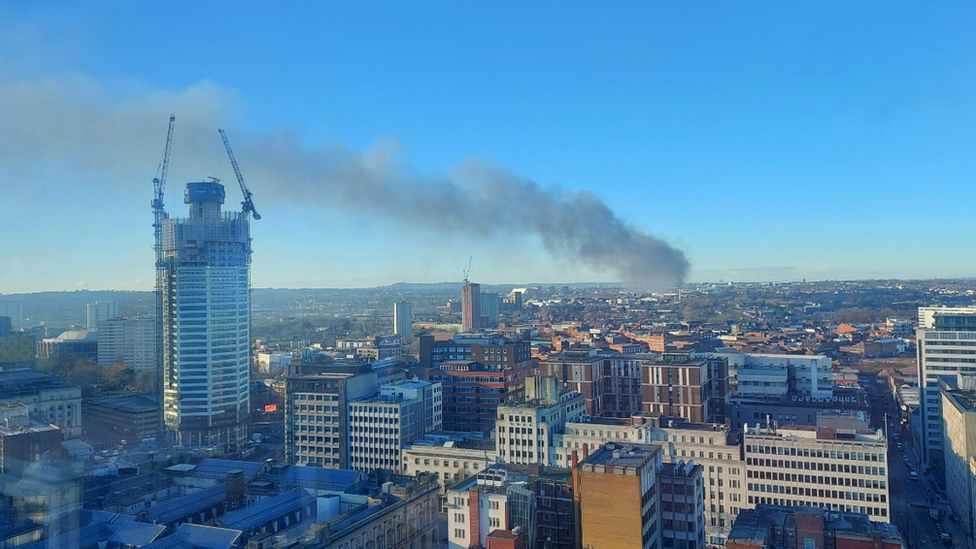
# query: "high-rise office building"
{"type": "Point", "coordinates": [403, 321]}
{"type": "Point", "coordinates": [471, 307]}
{"type": "Point", "coordinates": [206, 327]}
{"type": "Point", "coordinates": [946, 337]}
{"type": "Point", "coordinates": [100, 311]}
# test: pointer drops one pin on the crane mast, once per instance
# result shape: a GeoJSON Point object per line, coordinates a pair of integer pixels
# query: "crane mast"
{"type": "Point", "coordinates": [247, 205]}
{"type": "Point", "coordinates": [159, 187]}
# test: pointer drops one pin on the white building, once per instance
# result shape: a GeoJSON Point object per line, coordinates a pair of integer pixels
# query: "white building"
{"type": "Point", "coordinates": [100, 311]}
{"type": "Point", "coordinates": [477, 507]}
{"type": "Point", "coordinates": [317, 409]}
{"type": "Point", "coordinates": [946, 345]}
{"type": "Point", "coordinates": [127, 341]}
{"type": "Point", "coordinates": [762, 375]}
{"type": "Point", "coordinates": [206, 320]}
{"type": "Point", "coordinates": [525, 431]}
{"type": "Point", "coordinates": [837, 469]}
{"type": "Point", "coordinates": [381, 425]}
{"type": "Point", "coordinates": [403, 321]}
{"type": "Point", "coordinates": [272, 363]}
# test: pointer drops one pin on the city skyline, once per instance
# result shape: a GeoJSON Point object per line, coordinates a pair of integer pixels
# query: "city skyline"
{"type": "Point", "coordinates": [779, 143]}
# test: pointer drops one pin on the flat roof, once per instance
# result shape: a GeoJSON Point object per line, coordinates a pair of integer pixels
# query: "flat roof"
{"type": "Point", "coordinates": [622, 455]}
{"type": "Point", "coordinates": [964, 400]}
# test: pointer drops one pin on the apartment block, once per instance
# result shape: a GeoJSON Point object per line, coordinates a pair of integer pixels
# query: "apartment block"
{"type": "Point", "coordinates": [583, 372]}
{"type": "Point", "coordinates": [837, 469]}
{"type": "Point", "coordinates": [403, 320]}
{"type": "Point", "coordinates": [98, 312]}
{"type": "Point", "coordinates": [685, 385]}
{"type": "Point", "coordinates": [130, 342]}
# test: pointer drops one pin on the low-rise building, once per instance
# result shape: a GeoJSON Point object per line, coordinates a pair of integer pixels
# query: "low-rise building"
{"type": "Point", "coordinates": [112, 419]}
{"type": "Point", "coordinates": [448, 458]}
{"type": "Point", "coordinates": [769, 527]}
{"type": "Point", "coordinates": [71, 343]}
{"type": "Point", "coordinates": [403, 515]}
{"type": "Point", "coordinates": [49, 399]}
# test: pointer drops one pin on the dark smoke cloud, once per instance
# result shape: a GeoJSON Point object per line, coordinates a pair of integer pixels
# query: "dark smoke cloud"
{"type": "Point", "coordinates": [74, 123]}
{"type": "Point", "coordinates": [474, 198]}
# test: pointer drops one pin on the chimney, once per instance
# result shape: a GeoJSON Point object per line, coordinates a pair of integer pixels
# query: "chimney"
{"type": "Point", "coordinates": [586, 451]}
{"type": "Point", "coordinates": [575, 459]}
{"type": "Point", "coordinates": [234, 490]}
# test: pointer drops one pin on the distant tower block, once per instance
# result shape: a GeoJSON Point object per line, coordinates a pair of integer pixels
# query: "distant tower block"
{"type": "Point", "coordinates": [206, 320]}
{"type": "Point", "coordinates": [403, 321]}
{"type": "Point", "coordinates": [471, 319]}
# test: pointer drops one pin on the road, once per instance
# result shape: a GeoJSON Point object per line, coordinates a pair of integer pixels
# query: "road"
{"type": "Point", "coordinates": [911, 501]}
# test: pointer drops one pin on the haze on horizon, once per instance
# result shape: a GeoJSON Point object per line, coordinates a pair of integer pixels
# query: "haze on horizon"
{"type": "Point", "coordinates": [389, 143]}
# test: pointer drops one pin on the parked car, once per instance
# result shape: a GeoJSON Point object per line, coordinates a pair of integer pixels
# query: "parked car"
{"type": "Point", "coordinates": [913, 475]}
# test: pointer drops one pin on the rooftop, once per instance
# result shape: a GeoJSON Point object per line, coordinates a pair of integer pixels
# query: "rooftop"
{"type": "Point", "coordinates": [173, 509]}
{"type": "Point", "coordinates": [965, 401]}
{"type": "Point", "coordinates": [264, 511]}
{"type": "Point", "coordinates": [621, 455]}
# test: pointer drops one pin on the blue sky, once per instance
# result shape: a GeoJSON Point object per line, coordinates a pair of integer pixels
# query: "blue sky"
{"type": "Point", "coordinates": [768, 140]}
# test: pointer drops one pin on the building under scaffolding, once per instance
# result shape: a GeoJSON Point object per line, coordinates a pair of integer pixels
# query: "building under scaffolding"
{"type": "Point", "coordinates": [204, 286]}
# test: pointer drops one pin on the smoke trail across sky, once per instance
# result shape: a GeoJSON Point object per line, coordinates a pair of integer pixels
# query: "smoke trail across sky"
{"type": "Point", "coordinates": [76, 126]}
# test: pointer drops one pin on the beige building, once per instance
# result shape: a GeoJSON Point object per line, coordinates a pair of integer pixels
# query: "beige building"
{"type": "Point", "coordinates": [959, 442]}
{"type": "Point", "coordinates": [838, 469]}
{"type": "Point", "coordinates": [525, 431]}
{"type": "Point", "coordinates": [723, 470]}
{"type": "Point", "coordinates": [451, 461]}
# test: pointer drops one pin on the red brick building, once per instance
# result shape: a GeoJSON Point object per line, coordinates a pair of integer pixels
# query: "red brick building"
{"type": "Point", "coordinates": [471, 392]}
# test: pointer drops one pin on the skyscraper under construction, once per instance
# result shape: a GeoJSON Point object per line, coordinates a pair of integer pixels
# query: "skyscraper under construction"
{"type": "Point", "coordinates": [204, 279]}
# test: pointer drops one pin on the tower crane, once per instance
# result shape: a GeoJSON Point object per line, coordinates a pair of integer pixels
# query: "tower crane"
{"type": "Point", "coordinates": [467, 271]}
{"type": "Point", "coordinates": [159, 187]}
{"type": "Point", "coordinates": [159, 213]}
{"type": "Point", "coordinates": [247, 205]}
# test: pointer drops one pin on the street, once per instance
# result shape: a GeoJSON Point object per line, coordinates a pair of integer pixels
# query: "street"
{"type": "Point", "coordinates": [911, 501]}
